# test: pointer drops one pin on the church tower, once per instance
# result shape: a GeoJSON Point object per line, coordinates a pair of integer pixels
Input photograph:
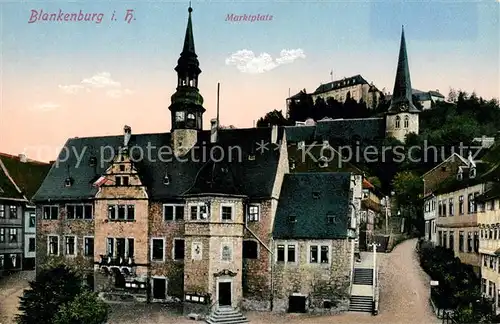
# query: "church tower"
{"type": "Point", "coordinates": [187, 103]}
{"type": "Point", "coordinates": [402, 117]}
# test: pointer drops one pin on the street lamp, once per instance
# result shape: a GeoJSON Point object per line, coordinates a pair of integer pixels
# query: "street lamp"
{"type": "Point", "coordinates": [375, 279]}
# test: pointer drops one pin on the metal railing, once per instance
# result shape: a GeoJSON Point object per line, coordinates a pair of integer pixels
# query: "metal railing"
{"type": "Point", "coordinates": [210, 308]}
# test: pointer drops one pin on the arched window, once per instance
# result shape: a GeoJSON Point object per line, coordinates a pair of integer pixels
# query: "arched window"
{"type": "Point", "coordinates": [407, 122]}
{"type": "Point", "coordinates": [398, 121]}
{"type": "Point", "coordinates": [250, 249]}
{"type": "Point", "coordinates": [190, 116]}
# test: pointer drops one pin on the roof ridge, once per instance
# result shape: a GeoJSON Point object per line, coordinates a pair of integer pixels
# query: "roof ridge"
{"type": "Point", "coordinates": [6, 171]}
{"type": "Point", "coordinates": [28, 160]}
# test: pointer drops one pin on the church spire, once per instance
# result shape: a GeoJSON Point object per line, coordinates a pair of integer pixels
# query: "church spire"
{"type": "Point", "coordinates": [402, 94]}
{"type": "Point", "coordinates": [187, 103]}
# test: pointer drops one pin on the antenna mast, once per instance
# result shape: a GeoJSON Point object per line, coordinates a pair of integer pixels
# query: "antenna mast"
{"type": "Point", "coordinates": [218, 95]}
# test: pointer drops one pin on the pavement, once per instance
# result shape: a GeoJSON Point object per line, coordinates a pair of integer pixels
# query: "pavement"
{"type": "Point", "coordinates": [404, 299]}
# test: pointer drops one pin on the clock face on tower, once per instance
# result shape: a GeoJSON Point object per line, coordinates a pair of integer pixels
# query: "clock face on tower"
{"type": "Point", "coordinates": [179, 116]}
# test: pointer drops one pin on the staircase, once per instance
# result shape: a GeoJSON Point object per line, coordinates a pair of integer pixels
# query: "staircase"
{"type": "Point", "coordinates": [226, 315]}
{"type": "Point", "coordinates": [361, 304]}
{"type": "Point", "coordinates": [363, 276]}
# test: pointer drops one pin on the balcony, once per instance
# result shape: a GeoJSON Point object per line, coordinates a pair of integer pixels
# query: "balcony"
{"type": "Point", "coordinates": [118, 261]}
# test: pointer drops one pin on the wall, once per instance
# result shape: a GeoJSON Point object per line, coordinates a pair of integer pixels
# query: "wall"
{"type": "Point", "coordinates": [318, 281]}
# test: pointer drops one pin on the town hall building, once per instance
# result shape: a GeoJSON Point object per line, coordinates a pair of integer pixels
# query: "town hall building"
{"type": "Point", "coordinates": [236, 227]}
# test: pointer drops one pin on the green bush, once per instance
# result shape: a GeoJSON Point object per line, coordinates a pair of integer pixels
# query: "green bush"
{"type": "Point", "coordinates": [86, 308]}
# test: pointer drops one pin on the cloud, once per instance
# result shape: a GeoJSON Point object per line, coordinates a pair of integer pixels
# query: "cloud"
{"type": "Point", "coordinates": [246, 61]}
{"type": "Point", "coordinates": [102, 80]}
{"type": "Point", "coordinates": [47, 106]}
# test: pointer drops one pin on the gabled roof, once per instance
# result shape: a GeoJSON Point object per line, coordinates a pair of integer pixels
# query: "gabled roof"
{"type": "Point", "coordinates": [452, 157]}
{"type": "Point", "coordinates": [255, 177]}
{"type": "Point", "coordinates": [339, 84]}
{"type": "Point", "coordinates": [297, 199]}
{"type": "Point", "coordinates": [338, 131]}
{"type": "Point", "coordinates": [453, 184]}
{"type": "Point", "coordinates": [20, 179]}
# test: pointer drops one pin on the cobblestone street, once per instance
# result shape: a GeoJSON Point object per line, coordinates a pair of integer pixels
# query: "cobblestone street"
{"type": "Point", "coordinates": [404, 299]}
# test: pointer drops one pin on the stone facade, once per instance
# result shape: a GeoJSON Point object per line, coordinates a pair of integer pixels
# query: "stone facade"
{"type": "Point", "coordinates": [400, 125]}
{"type": "Point", "coordinates": [318, 282]}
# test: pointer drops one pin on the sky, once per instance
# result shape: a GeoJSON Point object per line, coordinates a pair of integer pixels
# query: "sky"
{"type": "Point", "coordinates": [64, 79]}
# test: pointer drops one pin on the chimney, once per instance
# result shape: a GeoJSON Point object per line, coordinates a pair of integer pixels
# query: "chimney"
{"type": "Point", "coordinates": [23, 158]}
{"type": "Point", "coordinates": [213, 130]}
{"type": "Point", "coordinates": [127, 132]}
{"type": "Point", "coordinates": [274, 134]}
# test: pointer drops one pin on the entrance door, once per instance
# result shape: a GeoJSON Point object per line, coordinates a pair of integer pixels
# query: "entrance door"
{"type": "Point", "coordinates": [224, 294]}
{"type": "Point", "coordinates": [159, 288]}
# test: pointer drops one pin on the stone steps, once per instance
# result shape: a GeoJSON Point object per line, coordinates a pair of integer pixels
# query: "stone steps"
{"type": "Point", "coordinates": [226, 315]}
{"type": "Point", "coordinates": [361, 304]}
{"type": "Point", "coordinates": [363, 276]}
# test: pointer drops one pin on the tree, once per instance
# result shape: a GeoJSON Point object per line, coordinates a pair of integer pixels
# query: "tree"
{"type": "Point", "coordinates": [408, 188]}
{"type": "Point", "coordinates": [51, 289]}
{"type": "Point", "coordinates": [86, 308]}
{"type": "Point", "coordinates": [274, 117]}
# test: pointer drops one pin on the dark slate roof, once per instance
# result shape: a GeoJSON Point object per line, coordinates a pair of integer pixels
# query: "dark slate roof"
{"type": "Point", "coordinates": [308, 160]}
{"type": "Point", "coordinates": [435, 94]}
{"type": "Point", "coordinates": [255, 177]}
{"type": "Point", "coordinates": [215, 178]}
{"type": "Point", "coordinates": [296, 199]}
{"type": "Point", "coordinates": [339, 84]}
{"type": "Point", "coordinates": [492, 193]}
{"type": "Point", "coordinates": [338, 130]}
{"type": "Point", "coordinates": [28, 176]}
{"type": "Point", "coordinates": [453, 183]}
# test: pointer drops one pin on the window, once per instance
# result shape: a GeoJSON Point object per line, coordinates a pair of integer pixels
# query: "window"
{"type": "Point", "coordinates": [178, 249]}
{"type": "Point", "coordinates": [292, 219]}
{"type": "Point", "coordinates": [475, 202]}
{"type": "Point", "coordinates": [12, 235]}
{"type": "Point", "coordinates": [50, 212]}
{"type": "Point", "coordinates": [461, 205]}
{"type": "Point", "coordinates": [118, 181]}
{"type": "Point", "coordinates": [406, 122]}
{"type": "Point", "coordinates": [253, 213]}
{"type": "Point", "coordinates": [440, 238]}
{"type": "Point", "coordinates": [226, 254]}
{"type": "Point", "coordinates": [32, 221]}
{"type": "Point", "coordinates": [110, 247]}
{"type": "Point", "coordinates": [88, 246]}
{"type": "Point", "coordinates": [324, 254]}
{"type": "Point", "coordinates": [472, 173]}
{"type": "Point", "coordinates": [157, 249]}
{"type": "Point", "coordinates": [122, 168]}
{"type": "Point", "coordinates": [79, 212]}
{"type": "Point", "coordinates": [451, 207]}
{"type": "Point", "coordinates": [12, 211]}
{"type": "Point", "coordinates": [313, 254]}
{"type": "Point", "coordinates": [469, 242]}
{"type": "Point", "coordinates": [121, 212]}
{"type": "Point", "coordinates": [485, 261]}
{"type": "Point", "coordinates": [483, 284]}
{"type": "Point", "coordinates": [445, 238]}
{"type": "Point", "coordinates": [476, 242]}
{"type": "Point", "coordinates": [443, 203]}
{"type": "Point", "coordinates": [491, 205]}
{"type": "Point", "coordinates": [53, 244]}
{"type": "Point", "coordinates": [2, 235]}
{"type": "Point", "coordinates": [461, 241]}
{"type": "Point", "coordinates": [452, 240]}
{"type": "Point", "coordinates": [226, 213]}
{"type": "Point", "coordinates": [199, 212]}
{"type": "Point", "coordinates": [2, 211]}
{"type": "Point", "coordinates": [125, 181]}
{"type": "Point", "coordinates": [31, 244]}
{"type": "Point", "coordinates": [120, 247]}
{"type": "Point", "coordinates": [250, 249]}
{"type": "Point", "coordinates": [173, 212]}
{"type": "Point", "coordinates": [470, 208]}
{"type": "Point", "coordinates": [280, 256]}
{"type": "Point", "coordinates": [70, 245]}
{"type": "Point", "coordinates": [315, 194]}
{"type": "Point", "coordinates": [332, 219]}
{"type": "Point", "coordinates": [2, 261]}
{"type": "Point", "coordinates": [398, 121]}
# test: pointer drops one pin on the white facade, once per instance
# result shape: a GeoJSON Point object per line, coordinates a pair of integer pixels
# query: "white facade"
{"type": "Point", "coordinates": [430, 217]}
{"type": "Point", "coordinates": [400, 125]}
{"type": "Point", "coordinates": [29, 233]}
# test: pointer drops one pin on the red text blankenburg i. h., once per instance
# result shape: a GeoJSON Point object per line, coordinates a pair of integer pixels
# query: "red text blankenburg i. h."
{"type": "Point", "coordinates": [248, 18]}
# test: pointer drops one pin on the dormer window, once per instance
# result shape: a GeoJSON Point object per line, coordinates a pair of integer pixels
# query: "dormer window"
{"type": "Point", "coordinates": [315, 194]}
{"type": "Point", "coordinates": [292, 219]}
{"type": "Point", "coordinates": [68, 182]}
{"type": "Point", "coordinates": [93, 161]}
{"type": "Point", "coordinates": [472, 173]}
{"type": "Point", "coordinates": [460, 175]}
{"type": "Point", "coordinates": [331, 219]}
{"type": "Point", "coordinates": [166, 180]}
{"type": "Point", "coordinates": [122, 168]}
{"type": "Point", "coordinates": [251, 157]}
{"type": "Point", "coordinates": [191, 116]}
{"type": "Point", "coordinates": [323, 162]}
